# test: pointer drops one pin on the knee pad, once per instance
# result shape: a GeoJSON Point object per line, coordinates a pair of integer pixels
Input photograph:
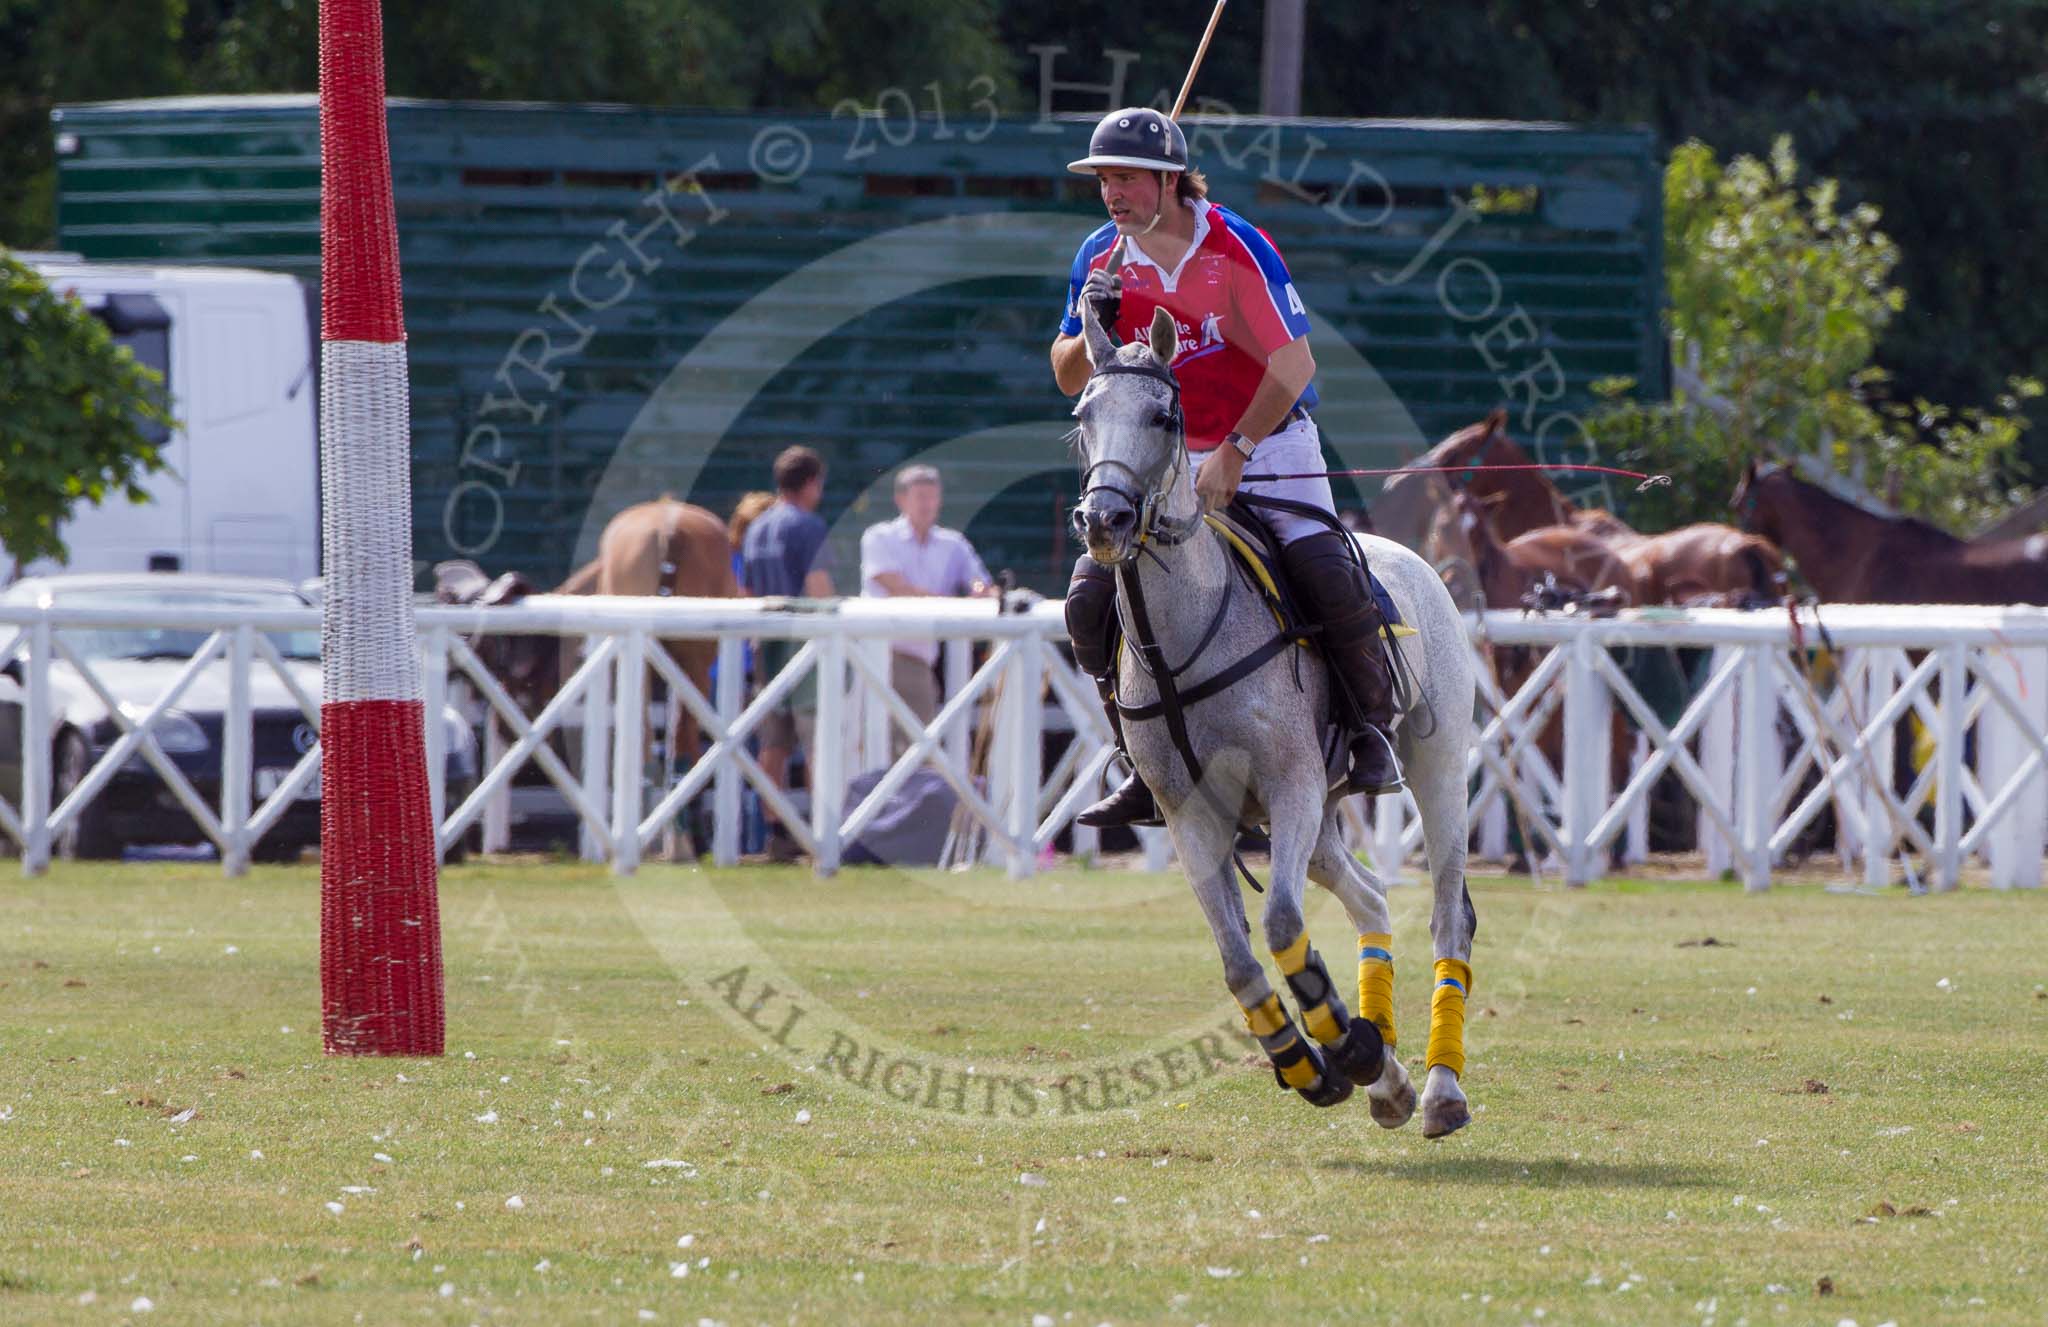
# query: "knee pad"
{"type": "Point", "coordinates": [1091, 603]}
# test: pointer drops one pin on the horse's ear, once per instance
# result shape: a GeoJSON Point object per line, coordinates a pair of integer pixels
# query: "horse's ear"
{"type": "Point", "coordinates": [1163, 335]}
{"type": "Point", "coordinates": [1496, 420]}
{"type": "Point", "coordinates": [1100, 351]}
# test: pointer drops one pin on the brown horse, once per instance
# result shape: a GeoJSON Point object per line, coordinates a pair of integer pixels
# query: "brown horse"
{"type": "Point", "coordinates": [1687, 565]}
{"type": "Point", "coordinates": [530, 668]}
{"type": "Point", "coordinates": [1852, 556]}
{"type": "Point", "coordinates": [1576, 561]}
{"type": "Point", "coordinates": [658, 548]}
{"type": "Point", "coordinates": [1510, 573]}
{"type": "Point", "coordinates": [1411, 505]}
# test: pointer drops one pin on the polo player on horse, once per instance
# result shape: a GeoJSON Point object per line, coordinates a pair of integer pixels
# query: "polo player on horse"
{"type": "Point", "coordinates": [1247, 386]}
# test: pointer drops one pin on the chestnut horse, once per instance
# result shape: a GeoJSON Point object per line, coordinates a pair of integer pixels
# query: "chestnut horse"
{"type": "Point", "coordinates": [660, 548]}
{"type": "Point", "coordinates": [1850, 556]}
{"type": "Point", "coordinates": [1686, 565]}
{"type": "Point", "coordinates": [1414, 507]}
{"type": "Point", "coordinates": [1510, 573]}
{"type": "Point", "coordinates": [1579, 562]}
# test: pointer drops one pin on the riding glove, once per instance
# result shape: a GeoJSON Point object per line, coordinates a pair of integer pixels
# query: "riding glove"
{"type": "Point", "coordinates": [1104, 289]}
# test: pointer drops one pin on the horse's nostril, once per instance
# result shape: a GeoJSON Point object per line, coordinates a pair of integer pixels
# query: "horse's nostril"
{"type": "Point", "coordinates": [1118, 519]}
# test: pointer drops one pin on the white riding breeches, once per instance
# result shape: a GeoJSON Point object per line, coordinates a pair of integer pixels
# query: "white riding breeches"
{"type": "Point", "coordinates": [1295, 449]}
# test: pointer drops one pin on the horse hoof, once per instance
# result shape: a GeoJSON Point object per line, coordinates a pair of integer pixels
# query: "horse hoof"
{"type": "Point", "coordinates": [1332, 1089]}
{"type": "Point", "coordinates": [1361, 1055]}
{"type": "Point", "coordinates": [1444, 1118]}
{"type": "Point", "coordinates": [1444, 1111]}
{"type": "Point", "coordinates": [1395, 1106]}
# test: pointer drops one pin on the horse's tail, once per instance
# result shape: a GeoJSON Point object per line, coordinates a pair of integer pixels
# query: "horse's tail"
{"type": "Point", "coordinates": [663, 539]}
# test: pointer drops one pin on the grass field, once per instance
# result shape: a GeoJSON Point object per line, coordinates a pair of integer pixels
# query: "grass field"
{"type": "Point", "coordinates": [1844, 1093]}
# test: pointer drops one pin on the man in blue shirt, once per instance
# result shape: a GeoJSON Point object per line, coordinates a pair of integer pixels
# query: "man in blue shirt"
{"type": "Point", "coordinates": [785, 554]}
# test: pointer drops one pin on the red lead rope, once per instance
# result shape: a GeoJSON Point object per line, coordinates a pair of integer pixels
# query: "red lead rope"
{"type": "Point", "coordinates": [1647, 480]}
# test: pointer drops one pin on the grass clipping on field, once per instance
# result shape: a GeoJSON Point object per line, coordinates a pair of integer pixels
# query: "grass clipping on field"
{"type": "Point", "coordinates": [1829, 1112]}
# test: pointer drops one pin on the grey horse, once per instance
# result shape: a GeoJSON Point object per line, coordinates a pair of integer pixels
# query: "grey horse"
{"type": "Point", "coordinates": [1259, 746]}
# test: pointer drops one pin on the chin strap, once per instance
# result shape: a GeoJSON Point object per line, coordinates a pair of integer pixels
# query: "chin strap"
{"type": "Point", "coordinates": [1158, 215]}
{"type": "Point", "coordinates": [1159, 211]}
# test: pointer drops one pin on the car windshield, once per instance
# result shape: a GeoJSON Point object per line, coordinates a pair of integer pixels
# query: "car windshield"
{"type": "Point", "coordinates": [147, 642]}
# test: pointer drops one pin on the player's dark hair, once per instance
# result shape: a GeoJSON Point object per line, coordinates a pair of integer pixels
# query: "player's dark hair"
{"type": "Point", "coordinates": [796, 467]}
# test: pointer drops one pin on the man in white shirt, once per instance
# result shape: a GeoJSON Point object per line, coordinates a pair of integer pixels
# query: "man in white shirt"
{"type": "Point", "coordinates": [914, 556]}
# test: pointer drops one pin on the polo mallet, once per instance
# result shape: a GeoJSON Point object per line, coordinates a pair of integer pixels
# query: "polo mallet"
{"type": "Point", "coordinates": [1187, 85]}
{"type": "Point", "coordinates": [964, 835]}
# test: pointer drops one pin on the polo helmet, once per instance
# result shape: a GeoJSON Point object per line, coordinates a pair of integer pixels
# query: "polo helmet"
{"type": "Point", "coordinates": [1138, 137]}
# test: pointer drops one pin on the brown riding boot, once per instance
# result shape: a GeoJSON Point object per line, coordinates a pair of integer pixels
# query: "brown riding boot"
{"type": "Point", "coordinates": [1091, 615]}
{"type": "Point", "coordinates": [1328, 578]}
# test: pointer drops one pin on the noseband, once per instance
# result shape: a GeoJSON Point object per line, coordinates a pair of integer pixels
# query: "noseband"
{"type": "Point", "coordinates": [1149, 491]}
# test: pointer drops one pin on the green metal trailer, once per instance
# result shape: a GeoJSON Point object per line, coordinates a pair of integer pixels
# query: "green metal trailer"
{"type": "Point", "coordinates": [605, 303]}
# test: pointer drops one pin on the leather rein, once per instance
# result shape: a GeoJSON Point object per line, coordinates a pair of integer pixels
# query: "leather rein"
{"type": "Point", "coordinates": [1153, 525]}
{"type": "Point", "coordinates": [1149, 490]}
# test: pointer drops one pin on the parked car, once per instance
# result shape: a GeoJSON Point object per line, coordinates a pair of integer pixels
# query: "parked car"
{"type": "Point", "coordinates": [136, 665]}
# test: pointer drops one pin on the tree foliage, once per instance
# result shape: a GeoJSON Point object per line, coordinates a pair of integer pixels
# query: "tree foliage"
{"type": "Point", "coordinates": [1934, 110]}
{"type": "Point", "coordinates": [1779, 298]}
{"type": "Point", "coordinates": [73, 411]}
{"type": "Point", "coordinates": [720, 53]}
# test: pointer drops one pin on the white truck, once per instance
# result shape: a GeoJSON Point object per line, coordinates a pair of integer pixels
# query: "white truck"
{"type": "Point", "coordinates": [240, 491]}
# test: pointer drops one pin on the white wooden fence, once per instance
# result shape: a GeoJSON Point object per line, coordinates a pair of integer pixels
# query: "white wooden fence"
{"type": "Point", "coordinates": [1790, 721]}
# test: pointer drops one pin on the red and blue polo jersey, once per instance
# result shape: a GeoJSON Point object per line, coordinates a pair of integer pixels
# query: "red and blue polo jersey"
{"type": "Point", "coordinates": [1232, 299]}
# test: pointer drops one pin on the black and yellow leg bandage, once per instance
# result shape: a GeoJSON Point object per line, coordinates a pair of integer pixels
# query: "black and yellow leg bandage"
{"type": "Point", "coordinates": [1282, 1044]}
{"type": "Point", "coordinates": [1322, 1009]}
{"type": "Point", "coordinates": [1447, 1015]}
{"type": "Point", "coordinates": [1376, 983]}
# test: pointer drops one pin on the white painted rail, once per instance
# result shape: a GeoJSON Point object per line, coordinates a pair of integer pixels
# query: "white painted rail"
{"type": "Point", "coordinates": [1790, 719]}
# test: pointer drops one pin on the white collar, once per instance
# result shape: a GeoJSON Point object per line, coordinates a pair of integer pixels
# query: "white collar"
{"type": "Point", "coordinates": [1134, 254]}
{"type": "Point", "coordinates": [909, 531]}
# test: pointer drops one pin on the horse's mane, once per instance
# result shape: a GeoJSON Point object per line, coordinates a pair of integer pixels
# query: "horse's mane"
{"type": "Point", "coordinates": [1451, 450]}
{"type": "Point", "coordinates": [1895, 522]}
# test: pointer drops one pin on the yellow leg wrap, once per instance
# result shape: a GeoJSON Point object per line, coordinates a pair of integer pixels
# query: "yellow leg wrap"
{"type": "Point", "coordinates": [1322, 1025]}
{"type": "Point", "coordinates": [1447, 1015]}
{"type": "Point", "coordinates": [1376, 983]}
{"type": "Point", "coordinates": [1267, 1018]}
{"type": "Point", "coordinates": [1300, 1075]}
{"type": "Point", "coordinates": [1317, 1018]}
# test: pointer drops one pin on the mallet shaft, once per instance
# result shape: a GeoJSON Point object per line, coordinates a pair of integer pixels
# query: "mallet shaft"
{"type": "Point", "coordinates": [1188, 84]}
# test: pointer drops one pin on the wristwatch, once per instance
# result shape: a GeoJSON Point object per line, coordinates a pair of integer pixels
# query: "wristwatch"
{"type": "Point", "coordinates": [1245, 446]}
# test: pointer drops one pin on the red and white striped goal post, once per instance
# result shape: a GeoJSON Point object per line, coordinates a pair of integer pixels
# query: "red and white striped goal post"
{"type": "Point", "coordinates": [380, 929]}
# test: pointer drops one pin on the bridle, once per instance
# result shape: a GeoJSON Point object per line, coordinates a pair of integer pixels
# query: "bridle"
{"type": "Point", "coordinates": [1149, 490]}
{"type": "Point", "coordinates": [1746, 501]}
{"type": "Point", "coordinates": [1462, 478]}
{"type": "Point", "coordinates": [1145, 497]}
